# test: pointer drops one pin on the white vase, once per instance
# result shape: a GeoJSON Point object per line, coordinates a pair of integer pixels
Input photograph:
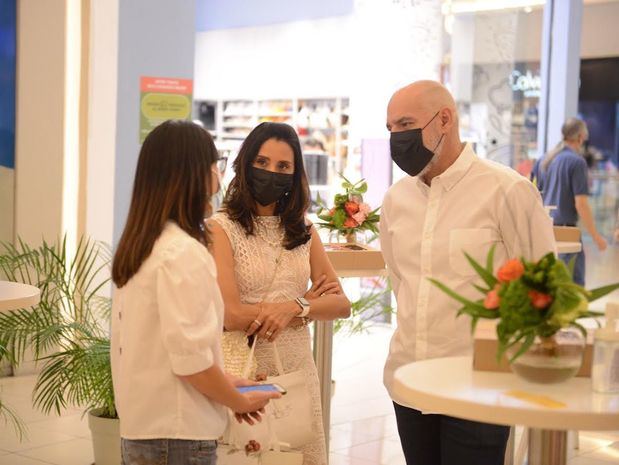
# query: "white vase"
{"type": "Point", "coordinates": [105, 438]}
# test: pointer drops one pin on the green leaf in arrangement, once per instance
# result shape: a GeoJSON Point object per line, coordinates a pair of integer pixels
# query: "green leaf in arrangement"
{"type": "Point", "coordinates": [592, 314]}
{"type": "Point", "coordinates": [580, 328]}
{"type": "Point", "coordinates": [344, 179]}
{"type": "Point", "coordinates": [463, 300]}
{"type": "Point", "coordinates": [490, 260]}
{"type": "Point", "coordinates": [529, 339]}
{"type": "Point", "coordinates": [595, 294]}
{"type": "Point", "coordinates": [488, 278]}
{"type": "Point", "coordinates": [481, 289]}
{"type": "Point", "coordinates": [339, 217]}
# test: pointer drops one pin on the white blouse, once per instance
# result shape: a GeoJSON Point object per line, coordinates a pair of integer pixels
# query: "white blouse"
{"type": "Point", "coordinates": [167, 321]}
{"type": "Point", "coordinates": [424, 232]}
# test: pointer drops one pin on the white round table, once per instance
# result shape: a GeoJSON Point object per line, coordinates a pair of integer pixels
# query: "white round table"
{"type": "Point", "coordinates": [18, 295]}
{"type": "Point", "coordinates": [449, 386]}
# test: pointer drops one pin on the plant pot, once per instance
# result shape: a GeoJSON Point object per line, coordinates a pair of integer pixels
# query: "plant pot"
{"type": "Point", "coordinates": [550, 360]}
{"type": "Point", "coordinates": [105, 438]}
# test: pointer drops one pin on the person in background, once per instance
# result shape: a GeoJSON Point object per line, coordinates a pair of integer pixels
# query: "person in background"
{"type": "Point", "coordinates": [451, 202]}
{"type": "Point", "coordinates": [562, 177]}
{"type": "Point", "coordinates": [217, 199]}
{"type": "Point", "coordinates": [167, 315]}
{"type": "Point", "coordinates": [266, 253]}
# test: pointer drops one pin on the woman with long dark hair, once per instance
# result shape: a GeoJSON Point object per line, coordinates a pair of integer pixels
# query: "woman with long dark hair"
{"type": "Point", "coordinates": [266, 253]}
{"type": "Point", "coordinates": [167, 315]}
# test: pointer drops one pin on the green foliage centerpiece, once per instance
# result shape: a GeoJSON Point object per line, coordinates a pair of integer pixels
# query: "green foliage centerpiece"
{"type": "Point", "coordinates": [350, 213]}
{"type": "Point", "coordinates": [534, 302]}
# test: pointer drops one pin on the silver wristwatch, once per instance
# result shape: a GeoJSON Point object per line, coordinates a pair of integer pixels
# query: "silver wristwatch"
{"type": "Point", "coordinates": [305, 306]}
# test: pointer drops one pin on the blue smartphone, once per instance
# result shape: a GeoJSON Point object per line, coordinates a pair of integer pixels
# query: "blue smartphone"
{"type": "Point", "coordinates": [263, 388]}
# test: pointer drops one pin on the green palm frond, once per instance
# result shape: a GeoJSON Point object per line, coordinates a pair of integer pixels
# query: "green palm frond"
{"type": "Point", "coordinates": [9, 417]}
{"type": "Point", "coordinates": [79, 374]}
{"type": "Point", "coordinates": [68, 330]}
{"type": "Point", "coordinates": [366, 310]}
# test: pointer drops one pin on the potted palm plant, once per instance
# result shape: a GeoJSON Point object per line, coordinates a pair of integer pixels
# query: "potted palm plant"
{"type": "Point", "coordinates": [67, 333]}
{"type": "Point", "coordinates": [7, 415]}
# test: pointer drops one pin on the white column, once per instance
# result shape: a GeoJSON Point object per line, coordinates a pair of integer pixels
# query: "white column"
{"type": "Point", "coordinates": [102, 120]}
{"type": "Point", "coordinates": [560, 69]}
{"type": "Point", "coordinates": [40, 122]}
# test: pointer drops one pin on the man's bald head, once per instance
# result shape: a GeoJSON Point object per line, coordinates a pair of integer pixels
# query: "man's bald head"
{"type": "Point", "coordinates": [419, 99]}
{"type": "Point", "coordinates": [429, 94]}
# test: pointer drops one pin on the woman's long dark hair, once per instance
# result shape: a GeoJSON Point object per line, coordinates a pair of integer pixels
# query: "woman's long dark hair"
{"type": "Point", "coordinates": [239, 203]}
{"type": "Point", "coordinates": [172, 183]}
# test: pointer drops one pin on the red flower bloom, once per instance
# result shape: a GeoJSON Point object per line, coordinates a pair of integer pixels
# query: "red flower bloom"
{"type": "Point", "coordinates": [350, 223]}
{"type": "Point", "coordinates": [540, 300]}
{"type": "Point", "coordinates": [492, 300]}
{"type": "Point", "coordinates": [351, 208]}
{"type": "Point", "coordinates": [332, 211]}
{"type": "Point", "coordinates": [511, 270]}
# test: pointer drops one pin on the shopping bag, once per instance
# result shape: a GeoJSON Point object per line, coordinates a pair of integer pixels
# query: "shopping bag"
{"type": "Point", "coordinates": [291, 415]}
{"type": "Point", "coordinates": [231, 451]}
{"type": "Point", "coordinates": [229, 456]}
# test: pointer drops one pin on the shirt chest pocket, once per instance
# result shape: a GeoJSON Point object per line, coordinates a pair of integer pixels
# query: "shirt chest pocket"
{"type": "Point", "coordinates": [474, 241]}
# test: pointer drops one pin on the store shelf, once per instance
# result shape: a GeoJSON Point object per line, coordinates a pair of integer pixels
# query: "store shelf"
{"type": "Point", "coordinates": [288, 114]}
{"type": "Point", "coordinates": [322, 119]}
{"type": "Point", "coordinates": [234, 136]}
{"type": "Point", "coordinates": [238, 125]}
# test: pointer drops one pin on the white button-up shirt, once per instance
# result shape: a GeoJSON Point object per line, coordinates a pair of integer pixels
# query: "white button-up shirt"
{"type": "Point", "coordinates": [167, 321]}
{"type": "Point", "coordinates": [424, 231]}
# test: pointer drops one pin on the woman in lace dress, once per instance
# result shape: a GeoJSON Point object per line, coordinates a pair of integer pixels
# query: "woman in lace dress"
{"type": "Point", "coordinates": [266, 254]}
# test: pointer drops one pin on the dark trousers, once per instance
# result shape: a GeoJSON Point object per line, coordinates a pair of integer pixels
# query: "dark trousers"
{"type": "Point", "coordinates": [443, 440]}
{"type": "Point", "coordinates": [579, 265]}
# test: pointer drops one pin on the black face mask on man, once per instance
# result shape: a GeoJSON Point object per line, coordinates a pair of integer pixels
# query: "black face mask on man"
{"type": "Point", "coordinates": [408, 151]}
{"type": "Point", "coordinates": [268, 187]}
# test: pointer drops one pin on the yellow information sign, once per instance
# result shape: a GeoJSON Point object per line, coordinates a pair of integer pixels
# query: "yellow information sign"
{"type": "Point", "coordinates": [163, 99]}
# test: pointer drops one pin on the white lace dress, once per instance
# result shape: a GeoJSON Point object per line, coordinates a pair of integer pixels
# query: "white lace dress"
{"type": "Point", "coordinates": [254, 267]}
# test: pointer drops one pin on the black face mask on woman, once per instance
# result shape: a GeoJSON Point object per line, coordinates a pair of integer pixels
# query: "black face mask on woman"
{"type": "Point", "coordinates": [268, 187]}
{"type": "Point", "coordinates": [408, 151]}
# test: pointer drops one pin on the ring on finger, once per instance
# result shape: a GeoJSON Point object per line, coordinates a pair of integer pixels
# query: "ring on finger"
{"type": "Point", "coordinates": [269, 333]}
{"type": "Point", "coordinates": [258, 323]}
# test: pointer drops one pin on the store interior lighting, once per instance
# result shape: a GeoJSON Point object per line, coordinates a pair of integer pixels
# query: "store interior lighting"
{"type": "Point", "coordinates": [477, 6]}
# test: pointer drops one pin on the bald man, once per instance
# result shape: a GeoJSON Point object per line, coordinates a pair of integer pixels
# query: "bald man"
{"type": "Point", "coordinates": [451, 202]}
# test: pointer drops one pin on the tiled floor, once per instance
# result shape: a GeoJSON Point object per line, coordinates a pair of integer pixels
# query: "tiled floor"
{"type": "Point", "coordinates": [363, 432]}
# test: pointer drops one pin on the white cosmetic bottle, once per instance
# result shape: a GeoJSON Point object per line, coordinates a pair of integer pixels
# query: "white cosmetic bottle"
{"type": "Point", "coordinates": [605, 372]}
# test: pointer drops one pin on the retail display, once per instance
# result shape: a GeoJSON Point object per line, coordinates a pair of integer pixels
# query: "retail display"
{"type": "Point", "coordinates": [322, 125]}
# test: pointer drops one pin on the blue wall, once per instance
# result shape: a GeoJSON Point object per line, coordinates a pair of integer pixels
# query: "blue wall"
{"type": "Point", "coordinates": [226, 14]}
{"type": "Point", "coordinates": [8, 20]}
{"type": "Point", "coordinates": [155, 38]}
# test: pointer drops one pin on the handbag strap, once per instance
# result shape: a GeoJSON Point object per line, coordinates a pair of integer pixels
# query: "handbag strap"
{"type": "Point", "coordinates": [278, 361]}
{"type": "Point", "coordinates": [250, 357]}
